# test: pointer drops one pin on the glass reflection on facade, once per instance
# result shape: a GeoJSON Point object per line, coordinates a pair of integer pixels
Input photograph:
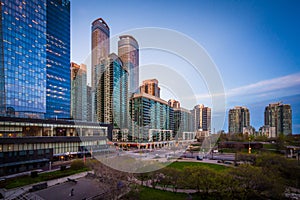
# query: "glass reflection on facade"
{"type": "Point", "coordinates": [58, 59]}
{"type": "Point", "coordinates": [100, 51]}
{"type": "Point", "coordinates": [112, 93]}
{"type": "Point", "coordinates": [128, 51]}
{"type": "Point", "coordinates": [78, 92]}
{"type": "Point", "coordinates": [149, 113]}
{"type": "Point", "coordinates": [23, 58]}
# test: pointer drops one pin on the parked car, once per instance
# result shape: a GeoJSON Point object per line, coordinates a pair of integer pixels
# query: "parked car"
{"type": "Point", "coordinates": [199, 157]}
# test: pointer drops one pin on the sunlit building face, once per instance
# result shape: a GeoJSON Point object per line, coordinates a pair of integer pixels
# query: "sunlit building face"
{"type": "Point", "coordinates": [23, 58]}
{"type": "Point", "coordinates": [35, 57]}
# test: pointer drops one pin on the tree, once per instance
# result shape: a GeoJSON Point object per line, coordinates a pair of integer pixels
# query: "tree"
{"type": "Point", "coordinates": [202, 178]}
{"type": "Point", "coordinates": [171, 177]}
{"type": "Point", "coordinates": [280, 142]}
{"type": "Point", "coordinates": [283, 167]}
{"type": "Point", "coordinates": [261, 138]}
{"type": "Point", "coordinates": [257, 183]}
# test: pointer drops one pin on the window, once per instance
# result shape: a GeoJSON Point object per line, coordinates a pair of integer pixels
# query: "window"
{"type": "Point", "coordinates": [40, 152]}
{"type": "Point", "coordinates": [22, 153]}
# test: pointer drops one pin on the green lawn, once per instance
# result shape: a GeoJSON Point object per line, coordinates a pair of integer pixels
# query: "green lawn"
{"type": "Point", "coordinates": [269, 146]}
{"type": "Point", "coordinates": [181, 165]}
{"type": "Point", "coordinates": [26, 180]}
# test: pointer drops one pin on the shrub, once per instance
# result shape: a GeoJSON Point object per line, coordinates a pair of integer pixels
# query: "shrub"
{"type": "Point", "coordinates": [77, 164]}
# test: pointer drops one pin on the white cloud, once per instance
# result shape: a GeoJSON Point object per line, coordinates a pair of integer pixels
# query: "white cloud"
{"type": "Point", "coordinates": [266, 86]}
{"type": "Point", "coordinates": [281, 86]}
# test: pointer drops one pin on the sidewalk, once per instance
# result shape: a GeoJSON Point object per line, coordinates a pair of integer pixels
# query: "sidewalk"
{"type": "Point", "coordinates": [13, 193]}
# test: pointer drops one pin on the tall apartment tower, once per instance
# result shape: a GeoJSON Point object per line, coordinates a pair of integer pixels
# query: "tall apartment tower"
{"type": "Point", "coordinates": [78, 92]}
{"type": "Point", "coordinates": [150, 117]}
{"type": "Point", "coordinates": [201, 116]}
{"type": "Point", "coordinates": [58, 99]}
{"type": "Point", "coordinates": [112, 93]}
{"type": "Point", "coordinates": [35, 58]}
{"type": "Point", "coordinates": [89, 103]}
{"type": "Point", "coordinates": [181, 120]}
{"type": "Point", "coordinates": [279, 116]}
{"type": "Point", "coordinates": [128, 51]}
{"type": "Point", "coordinates": [100, 52]}
{"type": "Point", "coordinates": [238, 118]}
{"type": "Point", "coordinates": [150, 87]}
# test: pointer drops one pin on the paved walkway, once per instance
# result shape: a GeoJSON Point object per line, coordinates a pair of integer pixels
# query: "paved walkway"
{"type": "Point", "coordinates": [13, 193]}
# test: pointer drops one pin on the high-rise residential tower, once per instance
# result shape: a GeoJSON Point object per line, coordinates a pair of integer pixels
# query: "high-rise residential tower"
{"type": "Point", "coordinates": [100, 52]}
{"type": "Point", "coordinates": [150, 118]}
{"type": "Point", "coordinates": [150, 86]}
{"type": "Point", "coordinates": [279, 116]}
{"type": "Point", "coordinates": [89, 103]}
{"type": "Point", "coordinates": [128, 51]}
{"type": "Point", "coordinates": [238, 118]}
{"type": "Point", "coordinates": [181, 121]}
{"type": "Point", "coordinates": [201, 116]}
{"type": "Point", "coordinates": [100, 47]}
{"type": "Point", "coordinates": [78, 92]}
{"type": "Point", "coordinates": [112, 93]}
{"type": "Point", "coordinates": [58, 100]}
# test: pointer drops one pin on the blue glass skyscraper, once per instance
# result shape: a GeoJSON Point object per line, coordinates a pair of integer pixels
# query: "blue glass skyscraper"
{"type": "Point", "coordinates": [23, 58]}
{"type": "Point", "coordinates": [35, 58]}
{"type": "Point", "coordinates": [58, 100]}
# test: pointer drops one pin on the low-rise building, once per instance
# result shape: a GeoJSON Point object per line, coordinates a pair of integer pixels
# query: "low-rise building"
{"type": "Point", "coordinates": [27, 144]}
{"type": "Point", "coordinates": [268, 131]}
{"type": "Point", "coordinates": [248, 130]}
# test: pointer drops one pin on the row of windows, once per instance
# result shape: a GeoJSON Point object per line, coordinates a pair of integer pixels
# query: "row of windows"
{"type": "Point", "coordinates": [25, 153]}
{"type": "Point", "coordinates": [19, 25]}
{"type": "Point", "coordinates": [58, 148]}
{"type": "Point", "coordinates": [36, 146]}
{"type": "Point", "coordinates": [41, 125]}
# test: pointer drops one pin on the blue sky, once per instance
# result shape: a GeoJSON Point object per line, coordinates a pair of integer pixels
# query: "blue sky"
{"type": "Point", "coordinates": [254, 44]}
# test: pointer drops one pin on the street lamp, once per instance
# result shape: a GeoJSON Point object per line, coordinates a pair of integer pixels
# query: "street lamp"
{"type": "Point", "coordinates": [249, 148]}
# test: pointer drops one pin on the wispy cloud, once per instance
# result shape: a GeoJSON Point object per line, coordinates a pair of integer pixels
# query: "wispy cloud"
{"type": "Point", "coordinates": [279, 87]}
{"type": "Point", "coordinates": [267, 86]}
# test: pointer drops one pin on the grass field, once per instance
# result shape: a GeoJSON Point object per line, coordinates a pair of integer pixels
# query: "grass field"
{"type": "Point", "coordinates": [181, 165]}
{"type": "Point", "coordinates": [269, 146]}
{"type": "Point", "coordinates": [27, 180]}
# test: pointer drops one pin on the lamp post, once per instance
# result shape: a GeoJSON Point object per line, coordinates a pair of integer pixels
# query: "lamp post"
{"type": "Point", "coordinates": [249, 148]}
